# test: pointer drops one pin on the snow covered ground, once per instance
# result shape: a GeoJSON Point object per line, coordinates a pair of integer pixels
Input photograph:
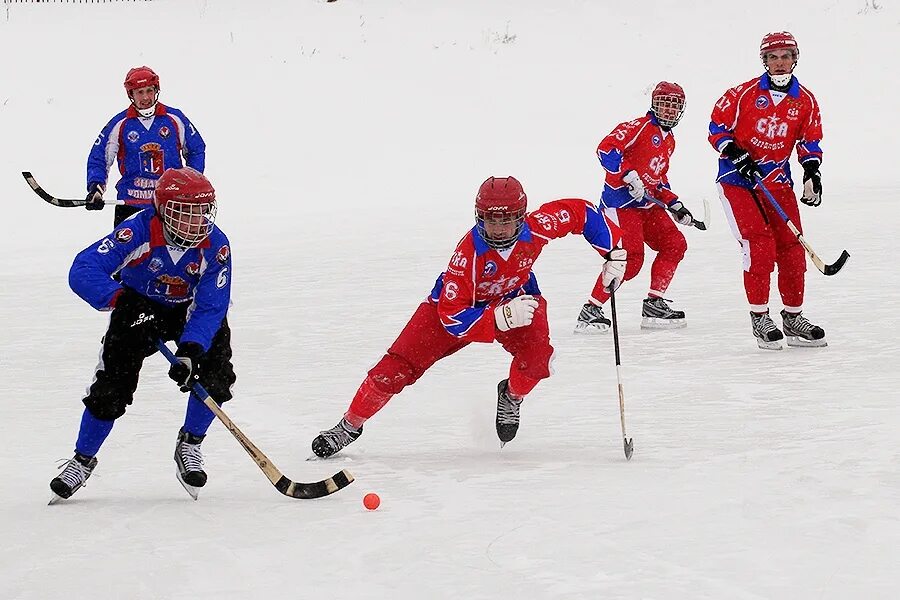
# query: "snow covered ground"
{"type": "Point", "coordinates": [346, 141]}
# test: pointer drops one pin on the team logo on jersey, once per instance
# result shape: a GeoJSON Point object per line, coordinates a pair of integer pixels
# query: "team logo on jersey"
{"type": "Point", "coordinates": [223, 254]}
{"type": "Point", "coordinates": [762, 102]}
{"type": "Point", "coordinates": [793, 112]}
{"type": "Point", "coordinates": [124, 235]}
{"type": "Point", "coordinates": [155, 265]}
{"type": "Point", "coordinates": [171, 287]}
{"type": "Point", "coordinates": [164, 131]}
{"type": "Point", "coordinates": [192, 269]}
{"type": "Point", "coordinates": [133, 136]}
{"type": "Point", "coordinates": [490, 269]}
{"type": "Point", "coordinates": [656, 140]}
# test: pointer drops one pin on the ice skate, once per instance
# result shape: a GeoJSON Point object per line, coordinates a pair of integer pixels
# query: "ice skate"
{"type": "Point", "coordinates": [657, 314]}
{"type": "Point", "coordinates": [331, 441]}
{"type": "Point", "coordinates": [75, 473]}
{"type": "Point", "coordinates": [189, 462]}
{"type": "Point", "coordinates": [507, 413]}
{"type": "Point", "coordinates": [768, 336]}
{"type": "Point", "coordinates": [592, 320]}
{"type": "Point", "coordinates": [800, 332]}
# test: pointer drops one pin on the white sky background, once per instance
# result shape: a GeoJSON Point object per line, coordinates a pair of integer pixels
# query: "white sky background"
{"type": "Point", "coordinates": [346, 141]}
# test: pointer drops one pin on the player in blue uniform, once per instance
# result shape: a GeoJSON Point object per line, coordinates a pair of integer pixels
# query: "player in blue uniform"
{"type": "Point", "coordinates": [165, 273]}
{"type": "Point", "coordinates": [144, 140]}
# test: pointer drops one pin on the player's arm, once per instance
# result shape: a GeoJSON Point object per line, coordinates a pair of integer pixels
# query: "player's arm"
{"type": "Point", "coordinates": [723, 119]}
{"type": "Point", "coordinates": [194, 146]}
{"type": "Point", "coordinates": [809, 153]}
{"type": "Point", "coordinates": [91, 274]}
{"type": "Point", "coordinates": [211, 299]}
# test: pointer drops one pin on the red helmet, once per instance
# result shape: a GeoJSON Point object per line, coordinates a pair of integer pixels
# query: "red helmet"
{"type": "Point", "coordinates": [501, 201]}
{"type": "Point", "coordinates": [186, 203]}
{"type": "Point", "coordinates": [780, 40]}
{"type": "Point", "coordinates": [667, 102]}
{"type": "Point", "coordinates": [139, 77]}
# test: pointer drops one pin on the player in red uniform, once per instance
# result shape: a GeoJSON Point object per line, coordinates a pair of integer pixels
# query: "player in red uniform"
{"type": "Point", "coordinates": [487, 293]}
{"type": "Point", "coordinates": [635, 156]}
{"type": "Point", "coordinates": [755, 127]}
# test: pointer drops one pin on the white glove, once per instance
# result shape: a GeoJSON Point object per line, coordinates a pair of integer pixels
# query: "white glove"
{"type": "Point", "coordinates": [635, 185]}
{"type": "Point", "coordinates": [518, 312]}
{"type": "Point", "coordinates": [614, 269]}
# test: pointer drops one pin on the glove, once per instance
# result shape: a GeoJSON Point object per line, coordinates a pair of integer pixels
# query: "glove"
{"type": "Point", "coordinates": [681, 214]}
{"type": "Point", "coordinates": [745, 165]}
{"type": "Point", "coordinates": [812, 184]}
{"type": "Point", "coordinates": [94, 198]}
{"type": "Point", "coordinates": [614, 269]}
{"type": "Point", "coordinates": [518, 312]}
{"type": "Point", "coordinates": [187, 370]}
{"type": "Point", "coordinates": [136, 310]}
{"type": "Point", "coordinates": [635, 185]}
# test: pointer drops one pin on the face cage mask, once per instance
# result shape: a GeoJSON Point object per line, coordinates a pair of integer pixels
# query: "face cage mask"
{"type": "Point", "coordinates": [499, 243]}
{"type": "Point", "coordinates": [660, 103]}
{"type": "Point", "coordinates": [187, 224]}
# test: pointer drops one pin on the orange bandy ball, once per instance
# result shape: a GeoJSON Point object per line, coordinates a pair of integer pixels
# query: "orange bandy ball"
{"type": "Point", "coordinates": [371, 501]}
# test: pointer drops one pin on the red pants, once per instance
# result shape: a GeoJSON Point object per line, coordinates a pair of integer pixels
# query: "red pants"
{"type": "Point", "coordinates": [765, 241]}
{"type": "Point", "coordinates": [424, 341]}
{"type": "Point", "coordinates": [654, 228]}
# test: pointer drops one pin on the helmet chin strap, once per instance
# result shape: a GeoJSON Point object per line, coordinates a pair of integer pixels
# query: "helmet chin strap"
{"type": "Point", "coordinates": [146, 113]}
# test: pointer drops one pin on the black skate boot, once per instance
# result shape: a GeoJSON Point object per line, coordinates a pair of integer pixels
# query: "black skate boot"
{"type": "Point", "coordinates": [592, 320]}
{"type": "Point", "coordinates": [331, 441]}
{"type": "Point", "coordinates": [507, 413]}
{"type": "Point", "coordinates": [657, 314]}
{"type": "Point", "coordinates": [74, 475]}
{"type": "Point", "coordinates": [189, 460]}
{"type": "Point", "coordinates": [800, 332]}
{"type": "Point", "coordinates": [768, 336]}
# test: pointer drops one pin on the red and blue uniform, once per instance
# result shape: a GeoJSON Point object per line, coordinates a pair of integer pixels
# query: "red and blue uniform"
{"type": "Point", "coordinates": [144, 149]}
{"type": "Point", "coordinates": [642, 146]}
{"type": "Point", "coordinates": [460, 308]}
{"type": "Point", "coordinates": [768, 124]}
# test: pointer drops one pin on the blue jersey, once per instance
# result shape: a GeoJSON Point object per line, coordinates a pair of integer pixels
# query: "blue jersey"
{"type": "Point", "coordinates": [143, 149]}
{"type": "Point", "coordinates": [137, 252]}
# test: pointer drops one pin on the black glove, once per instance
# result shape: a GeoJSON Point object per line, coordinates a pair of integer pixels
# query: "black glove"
{"type": "Point", "coordinates": [682, 215]}
{"type": "Point", "coordinates": [136, 310]}
{"type": "Point", "coordinates": [187, 370]}
{"type": "Point", "coordinates": [745, 165]}
{"type": "Point", "coordinates": [812, 184]}
{"type": "Point", "coordinates": [94, 198]}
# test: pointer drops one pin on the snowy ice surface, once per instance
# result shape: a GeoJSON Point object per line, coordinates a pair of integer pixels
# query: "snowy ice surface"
{"type": "Point", "coordinates": [346, 141]}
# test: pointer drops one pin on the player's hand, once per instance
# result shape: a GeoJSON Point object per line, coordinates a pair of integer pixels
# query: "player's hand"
{"type": "Point", "coordinates": [94, 198]}
{"type": "Point", "coordinates": [186, 371]}
{"type": "Point", "coordinates": [634, 184]}
{"type": "Point", "coordinates": [681, 214]}
{"type": "Point", "coordinates": [518, 312]}
{"type": "Point", "coordinates": [742, 161]}
{"type": "Point", "coordinates": [614, 269]}
{"type": "Point", "coordinates": [812, 184]}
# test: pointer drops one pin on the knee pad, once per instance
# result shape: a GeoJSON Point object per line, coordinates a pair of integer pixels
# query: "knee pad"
{"type": "Point", "coordinates": [634, 262]}
{"type": "Point", "coordinates": [534, 362]}
{"type": "Point", "coordinates": [106, 407]}
{"type": "Point", "coordinates": [219, 385]}
{"type": "Point", "coordinates": [761, 256]}
{"type": "Point", "coordinates": [393, 373]}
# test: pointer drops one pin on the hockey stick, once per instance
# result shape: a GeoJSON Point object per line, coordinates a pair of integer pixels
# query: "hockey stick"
{"type": "Point", "coordinates": [294, 489]}
{"type": "Point", "coordinates": [701, 225]}
{"type": "Point", "coordinates": [820, 264]}
{"type": "Point", "coordinates": [628, 442]}
{"type": "Point", "coordinates": [63, 202]}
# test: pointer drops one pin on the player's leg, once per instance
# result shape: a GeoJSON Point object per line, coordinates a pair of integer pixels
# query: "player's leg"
{"type": "Point", "coordinates": [662, 235]}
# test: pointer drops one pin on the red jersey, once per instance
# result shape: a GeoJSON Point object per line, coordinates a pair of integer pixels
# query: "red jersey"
{"type": "Point", "coordinates": [640, 145]}
{"type": "Point", "coordinates": [767, 124]}
{"type": "Point", "coordinates": [480, 278]}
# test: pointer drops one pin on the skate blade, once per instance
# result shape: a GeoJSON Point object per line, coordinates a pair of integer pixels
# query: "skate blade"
{"type": "Point", "coordinates": [769, 345]}
{"type": "Point", "coordinates": [588, 329]}
{"type": "Point", "coordinates": [657, 323]}
{"type": "Point", "coordinates": [194, 492]}
{"type": "Point", "coordinates": [54, 499]}
{"type": "Point", "coordinates": [799, 342]}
